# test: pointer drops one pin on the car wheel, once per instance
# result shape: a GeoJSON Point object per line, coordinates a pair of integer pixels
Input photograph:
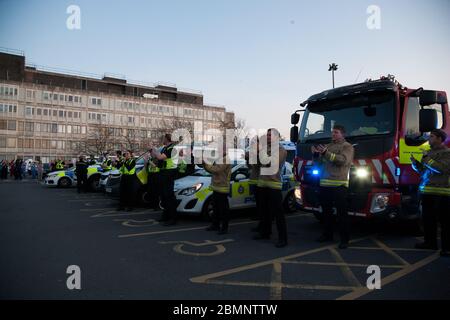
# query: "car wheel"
{"type": "Point", "coordinates": [64, 182]}
{"type": "Point", "coordinates": [290, 203]}
{"type": "Point", "coordinates": [208, 209]}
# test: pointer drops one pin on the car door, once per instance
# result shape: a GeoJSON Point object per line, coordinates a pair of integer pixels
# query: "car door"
{"type": "Point", "coordinates": [241, 196]}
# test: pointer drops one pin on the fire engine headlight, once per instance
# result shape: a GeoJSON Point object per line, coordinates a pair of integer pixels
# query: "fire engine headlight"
{"type": "Point", "coordinates": [191, 190]}
{"type": "Point", "coordinates": [379, 203]}
{"type": "Point", "coordinates": [362, 172]}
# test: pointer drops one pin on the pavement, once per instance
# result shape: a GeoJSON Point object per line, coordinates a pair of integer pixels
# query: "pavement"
{"type": "Point", "coordinates": [129, 255]}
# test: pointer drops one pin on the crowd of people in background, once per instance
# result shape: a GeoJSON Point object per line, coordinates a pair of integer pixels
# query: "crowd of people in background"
{"type": "Point", "coordinates": [19, 169]}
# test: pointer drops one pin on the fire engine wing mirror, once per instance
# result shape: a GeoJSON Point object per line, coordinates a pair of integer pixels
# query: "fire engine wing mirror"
{"type": "Point", "coordinates": [295, 118]}
{"type": "Point", "coordinates": [430, 97]}
{"type": "Point", "coordinates": [427, 120]}
{"type": "Point", "coordinates": [294, 134]}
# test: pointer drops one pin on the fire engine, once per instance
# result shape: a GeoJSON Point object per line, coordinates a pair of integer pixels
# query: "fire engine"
{"type": "Point", "coordinates": [386, 123]}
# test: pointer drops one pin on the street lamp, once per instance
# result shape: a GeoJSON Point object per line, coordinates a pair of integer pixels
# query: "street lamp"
{"type": "Point", "coordinates": [333, 67]}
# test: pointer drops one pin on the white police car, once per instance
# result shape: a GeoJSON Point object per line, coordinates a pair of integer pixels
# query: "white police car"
{"type": "Point", "coordinates": [67, 178]}
{"type": "Point", "coordinates": [194, 195]}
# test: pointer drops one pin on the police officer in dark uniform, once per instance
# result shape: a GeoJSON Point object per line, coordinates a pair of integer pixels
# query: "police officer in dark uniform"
{"type": "Point", "coordinates": [81, 170]}
{"type": "Point", "coordinates": [167, 163]}
{"type": "Point", "coordinates": [127, 182]}
{"type": "Point", "coordinates": [153, 182]}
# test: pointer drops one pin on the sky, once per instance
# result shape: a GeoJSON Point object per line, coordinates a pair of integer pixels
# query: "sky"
{"type": "Point", "coordinates": [258, 58]}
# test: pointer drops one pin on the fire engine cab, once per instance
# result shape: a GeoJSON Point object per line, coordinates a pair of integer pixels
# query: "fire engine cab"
{"type": "Point", "coordinates": [386, 123]}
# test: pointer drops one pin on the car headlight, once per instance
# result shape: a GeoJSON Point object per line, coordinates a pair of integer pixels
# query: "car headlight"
{"type": "Point", "coordinates": [379, 202]}
{"type": "Point", "coordinates": [191, 190]}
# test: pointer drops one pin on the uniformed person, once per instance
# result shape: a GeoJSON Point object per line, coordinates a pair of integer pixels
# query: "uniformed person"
{"type": "Point", "coordinates": [220, 185]}
{"type": "Point", "coordinates": [81, 171]}
{"type": "Point", "coordinates": [127, 182]}
{"type": "Point", "coordinates": [434, 169]}
{"type": "Point", "coordinates": [59, 164]}
{"type": "Point", "coordinates": [335, 160]}
{"type": "Point", "coordinates": [107, 163]}
{"type": "Point", "coordinates": [270, 186]}
{"type": "Point", "coordinates": [253, 164]}
{"type": "Point", "coordinates": [92, 161]}
{"type": "Point", "coordinates": [153, 182]}
{"type": "Point", "coordinates": [167, 163]}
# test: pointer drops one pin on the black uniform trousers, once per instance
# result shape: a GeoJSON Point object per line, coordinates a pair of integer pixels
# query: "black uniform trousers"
{"type": "Point", "coordinates": [166, 184]}
{"type": "Point", "coordinates": [127, 190]}
{"type": "Point", "coordinates": [436, 208]}
{"type": "Point", "coordinates": [330, 197]}
{"type": "Point", "coordinates": [153, 189]}
{"type": "Point", "coordinates": [221, 207]}
{"type": "Point", "coordinates": [270, 206]}
{"type": "Point", "coordinates": [81, 183]}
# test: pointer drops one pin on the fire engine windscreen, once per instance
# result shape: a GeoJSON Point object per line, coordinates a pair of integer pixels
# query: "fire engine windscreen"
{"type": "Point", "coordinates": [361, 115]}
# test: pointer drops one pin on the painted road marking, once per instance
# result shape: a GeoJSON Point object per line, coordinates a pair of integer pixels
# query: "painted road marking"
{"type": "Point", "coordinates": [276, 285]}
{"type": "Point", "coordinates": [220, 248]}
{"type": "Point", "coordinates": [197, 227]}
{"type": "Point", "coordinates": [137, 223]}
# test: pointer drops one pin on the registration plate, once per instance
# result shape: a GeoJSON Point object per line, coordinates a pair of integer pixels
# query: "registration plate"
{"type": "Point", "coordinates": [109, 189]}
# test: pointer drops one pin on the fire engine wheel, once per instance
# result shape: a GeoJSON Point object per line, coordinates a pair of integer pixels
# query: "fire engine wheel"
{"type": "Point", "coordinates": [64, 182]}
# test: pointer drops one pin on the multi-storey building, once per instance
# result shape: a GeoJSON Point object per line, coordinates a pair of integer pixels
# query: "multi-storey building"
{"type": "Point", "coordinates": [46, 114]}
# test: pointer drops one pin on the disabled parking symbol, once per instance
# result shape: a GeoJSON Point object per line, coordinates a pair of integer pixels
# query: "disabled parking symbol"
{"type": "Point", "coordinates": [218, 246]}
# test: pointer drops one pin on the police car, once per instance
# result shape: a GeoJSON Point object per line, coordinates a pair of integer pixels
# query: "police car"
{"type": "Point", "coordinates": [67, 178]}
{"type": "Point", "coordinates": [194, 195]}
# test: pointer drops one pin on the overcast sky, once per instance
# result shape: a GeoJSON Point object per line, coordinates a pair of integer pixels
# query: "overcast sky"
{"type": "Point", "coordinates": [258, 58]}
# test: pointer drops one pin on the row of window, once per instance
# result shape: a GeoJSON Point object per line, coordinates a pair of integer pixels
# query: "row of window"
{"type": "Point", "coordinates": [28, 143]}
{"type": "Point", "coordinates": [8, 91]}
{"type": "Point", "coordinates": [8, 108]}
{"type": "Point", "coordinates": [31, 111]}
{"type": "Point", "coordinates": [100, 117]}
{"type": "Point", "coordinates": [59, 97]}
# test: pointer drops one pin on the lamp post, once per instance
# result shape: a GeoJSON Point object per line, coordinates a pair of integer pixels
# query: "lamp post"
{"type": "Point", "coordinates": [333, 67]}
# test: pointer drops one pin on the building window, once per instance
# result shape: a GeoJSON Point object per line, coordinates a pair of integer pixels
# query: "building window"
{"type": "Point", "coordinates": [39, 111]}
{"type": "Point", "coordinates": [45, 112]}
{"type": "Point", "coordinates": [3, 124]}
{"type": "Point", "coordinates": [11, 142]}
{"type": "Point", "coordinates": [55, 113]}
{"type": "Point", "coordinates": [29, 111]}
{"type": "Point", "coordinates": [12, 125]}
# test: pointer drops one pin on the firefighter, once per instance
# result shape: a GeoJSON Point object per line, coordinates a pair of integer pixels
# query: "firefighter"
{"type": "Point", "coordinates": [167, 163]}
{"type": "Point", "coordinates": [335, 160]}
{"type": "Point", "coordinates": [81, 171]}
{"type": "Point", "coordinates": [127, 182]}
{"type": "Point", "coordinates": [107, 163]}
{"type": "Point", "coordinates": [153, 182]}
{"type": "Point", "coordinates": [253, 164]}
{"type": "Point", "coordinates": [269, 188]}
{"type": "Point", "coordinates": [434, 169]}
{"type": "Point", "coordinates": [220, 185]}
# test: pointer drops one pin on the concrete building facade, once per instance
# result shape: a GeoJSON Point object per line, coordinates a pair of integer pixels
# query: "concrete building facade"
{"type": "Point", "coordinates": [46, 114]}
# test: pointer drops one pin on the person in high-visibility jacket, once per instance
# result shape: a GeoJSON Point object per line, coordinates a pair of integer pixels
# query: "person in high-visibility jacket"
{"type": "Point", "coordinates": [167, 163]}
{"type": "Point", "coordinates": [270, 186]}
{"type": "Point", "coordinates": [220, 185]}
{"type": "Point", "coordinates": [59, 164]}
{"type": "Point", "coordinates": [434, 169]}
{"type": "Point", "coordinates": [107, 163]}
{"type": "Point", "coordinates": [152, 182]}
{"type": "Point", "coordinates": [334, 160]}
{"type": "Point", "coordinates": [253, 164]}
{"type": "Point", "coordinates": [127, 182]}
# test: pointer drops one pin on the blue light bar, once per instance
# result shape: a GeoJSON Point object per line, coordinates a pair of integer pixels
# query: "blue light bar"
{"type": "Point", "coordinates": [315, 172]}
